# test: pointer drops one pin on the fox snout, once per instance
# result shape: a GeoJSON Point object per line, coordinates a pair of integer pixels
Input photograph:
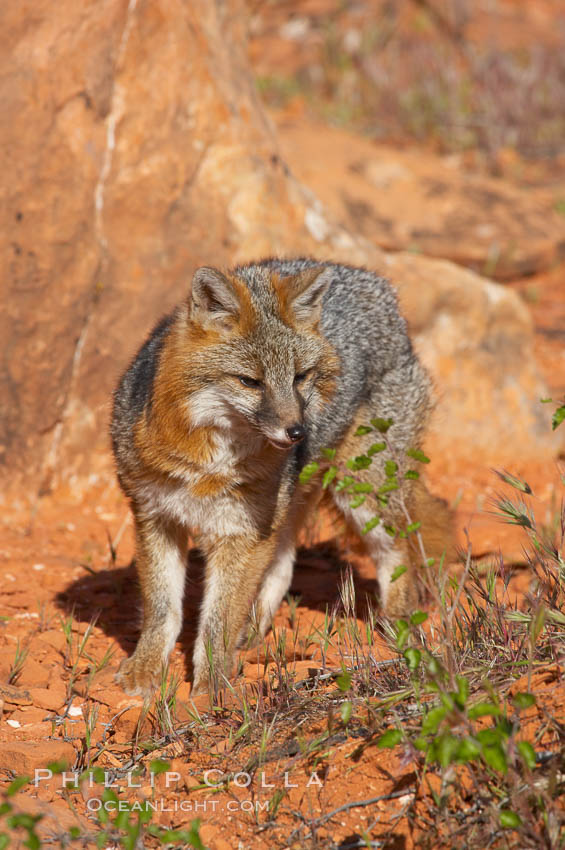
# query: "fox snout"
{"type": "Point", "coordinates": [286, 438]}
{"type": "Point", "coordinates": [296, 433]}
{"type": "Point", "coordinates": [280, 415]}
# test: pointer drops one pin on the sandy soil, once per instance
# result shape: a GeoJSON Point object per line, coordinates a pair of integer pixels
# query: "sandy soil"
{"type": "Point", "coordinates": [57, 568]}
{"type": "Point", "coordinates": [68, 564]}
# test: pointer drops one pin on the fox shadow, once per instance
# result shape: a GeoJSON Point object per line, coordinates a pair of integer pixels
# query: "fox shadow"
{"type": "Point", "coordinates": [112, 597]}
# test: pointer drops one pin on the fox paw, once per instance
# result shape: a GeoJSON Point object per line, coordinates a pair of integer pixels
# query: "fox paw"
{"type": "Point", "coordinates": [137, 677]}
{"type": "Point", "coordinates": [402, 599]}
{"type": "Point", "coordinates": [200, 686]}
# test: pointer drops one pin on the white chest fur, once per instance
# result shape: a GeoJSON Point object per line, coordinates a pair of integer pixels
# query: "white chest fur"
{"type": "Point", "coordinates": [220, 514]}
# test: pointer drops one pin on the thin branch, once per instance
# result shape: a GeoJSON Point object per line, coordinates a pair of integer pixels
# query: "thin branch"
{"type": "Point", "coordinates": [359, 804]}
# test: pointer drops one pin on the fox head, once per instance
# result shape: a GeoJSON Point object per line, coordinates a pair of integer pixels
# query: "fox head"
{"type": "Point", "coordinates": [256, 357]}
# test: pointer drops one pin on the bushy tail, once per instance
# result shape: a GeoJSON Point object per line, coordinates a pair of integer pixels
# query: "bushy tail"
{"type": "Point", "coordinates": [437, 523]}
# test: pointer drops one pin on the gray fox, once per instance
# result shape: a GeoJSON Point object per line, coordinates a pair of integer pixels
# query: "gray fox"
{"type": "Point", "coordinates": [261, 368]}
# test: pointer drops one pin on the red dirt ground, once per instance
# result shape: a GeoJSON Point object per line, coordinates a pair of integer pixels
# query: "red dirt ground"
{"type": "Point", "coordinates": [57, 566]}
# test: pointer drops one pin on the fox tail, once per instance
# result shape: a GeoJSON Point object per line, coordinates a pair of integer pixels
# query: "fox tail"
{"type": "Point", "coordinates": [437, 524]}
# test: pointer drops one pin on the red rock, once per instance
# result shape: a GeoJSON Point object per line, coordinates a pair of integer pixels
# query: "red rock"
{"type": "Point", "coordinates": [25, 716]}
{"type": "Point", "coordinates": [208, 833]}
{"type": "Point", "coordinates": [126, 724]}
{"type": "Point", "coordinates": [183, 691]}
{"type": "Point", "coordinates": [51, 700]}
{"type": "Point", "coordinates": [304, 670]}
{"type": "Point", "coordinates": [54, 639]}
{"type": "Point", "coordinates": [6, 662]}
{"type": "Point", "coordinates": [114, 697]}
{"type": "Point", "coordinates": [58, 815]}
{"type": "Point", "coordinates": [199, 703]}
{"type": "Point", "coordinates": [468, 332]}
{"type": "Point", "coordinates": [34, 674]}
{"type": "Point", "coordinates": [101, 682]}
{"type": "Point", "coordinates": [187, 704]}
{"type": "Point", "coordinates": [13, 695]}
{"type": "Point", "coordinates": [23, 757]}
{"type": "Point", "coordinates": [135, 166]}
{"type": "Point", "coordinates": [280, 644]}
{"type": "Point", "coordinates": [253, 671]}
{"type": "Point", "coordinates": [453, 213]}
{"type": "Point", "coordinates": [32, 731]}
{"type": "Point", "coordinates": [85, 244]}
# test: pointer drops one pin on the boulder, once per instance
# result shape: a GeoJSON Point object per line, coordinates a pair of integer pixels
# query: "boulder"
{"type": "Point", "coordinates": [23, 757]}
{"type": "Point", "coordinates": [421, 202]}
{"type": "Point", "coordinates": [476, 339]}
{"type": "Point", "coordinates": [134, 149]}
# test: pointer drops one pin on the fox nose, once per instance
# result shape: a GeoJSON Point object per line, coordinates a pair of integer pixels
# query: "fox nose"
{"type": "Point", "coordinates": [295, 433]}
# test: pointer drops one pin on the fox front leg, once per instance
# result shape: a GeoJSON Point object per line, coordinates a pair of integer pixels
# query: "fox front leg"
{"type": "Point", "coordinates": [275, 583]}
{"type": "Point", "coordinates": [234, 570]}
{"type": "Point", "coordinates": [161, 565]}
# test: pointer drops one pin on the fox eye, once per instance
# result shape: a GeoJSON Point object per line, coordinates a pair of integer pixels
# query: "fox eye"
{"type": "Point", "coordinates": [300, 376]}
{"type": "Point", "coordinates": [249, 382]}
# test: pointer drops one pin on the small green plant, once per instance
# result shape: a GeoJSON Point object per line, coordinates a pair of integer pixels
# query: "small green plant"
{"type": "Point", "coordinates": [124, 823]}
{"type": "Point", "coordinates": [18, 663]}
{"type": "Point", "coordinates": [75, 652]}
{"type": "Point", "coordinates": [97, 666]}
{"type": "Point", "coordinates": [90, 714]}
{"type": "Point", "coordinates": [165, 703]}
{"type": "Point", "coordinates": [425, 77]}
{"type": "Point", "coordinates": [558, 415]}
{"type": "Point", "coordinates": [17, 822]}
{"type": "Point", "coordinates": [293, 603]}
{"type": "Point", "coordinates": [343, 477]}
{"type": "Point", "coordinates": [459, 666]}
{"type": "Point", "coordinates": [121, 823]}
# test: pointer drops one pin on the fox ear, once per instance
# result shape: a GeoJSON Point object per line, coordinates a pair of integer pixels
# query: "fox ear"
{"type": "Point", "coordinates": [305, 292]}
{"type": "Point", "coordinates": [213, 297]}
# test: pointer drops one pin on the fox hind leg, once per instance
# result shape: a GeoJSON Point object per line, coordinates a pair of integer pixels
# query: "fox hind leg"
{"type": "Point", "coordinates": [397, 592]}
{"type": "Point", "coordinates": [398, 595]}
